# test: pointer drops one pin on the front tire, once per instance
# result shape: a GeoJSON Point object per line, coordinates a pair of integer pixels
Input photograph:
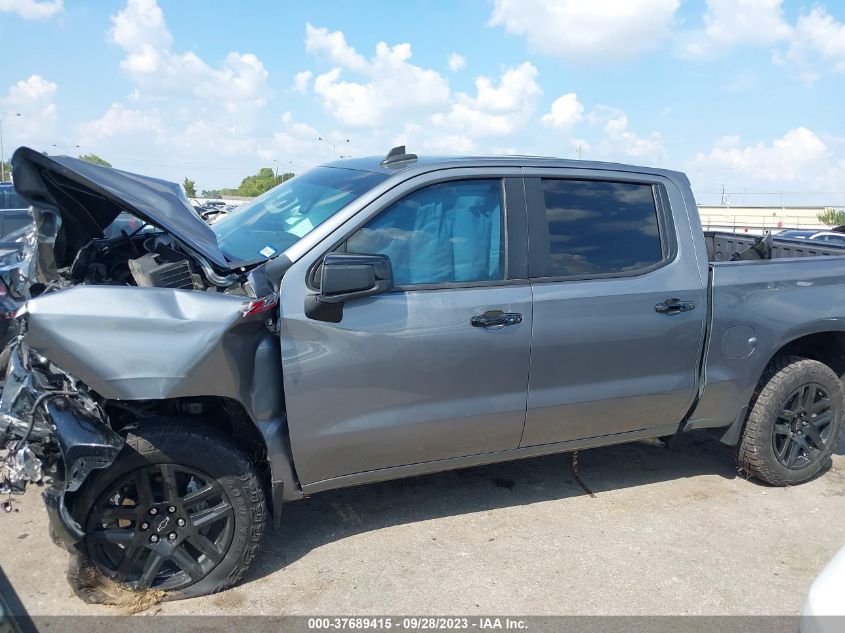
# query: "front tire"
{"type": "Point", "coordinates": [181, 511]}
{"type": "Point", "coordinates": [794, 422]}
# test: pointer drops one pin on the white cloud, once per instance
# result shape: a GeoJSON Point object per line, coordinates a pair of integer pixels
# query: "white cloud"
{"type": "Point", "coordinates": [619, 142]}
{"type": "Point", "coordinates": [818, 40]}
{"type": "Point", "coordinates": [334, 47]}
{"type": "Point", "coordinates": [502, 111]}
{"type": "Point", "coordinates": [420, 139]}
{"type": "Point", "coordinates": [799, 157]}
{"type": "Point", "coordinates": [566, 111]}
{"type": "Point", "coordinates": [730, 23]}
{"type": "Point", "coordinates": [31, 90]}
{"type": "Point", "coordinates": [33, 9]}
{"type": "Point", "coordinates": [297, 139]}
{"type": "Point", "coordinates": [34, 99]}
{"type": "Point", "coordinates": [393, 84]}
{"type": "Point", "coordinates": [590, 31]}
{"type": "Point", "coordinates": [141, 31]}
{"type": "Point", "coordinates": [183, 113]}
{"type": "Point", "coordinates": [302, 81]}
{"type": "Point", "coordinates": [587, 30]}
{"type": "Point", "coordinates": [120, 120]}
{"type": "Point", "coordinates": [496, 110]}
{"type": "Point", "coordinates": [456, 62]}
{"type": "Point", "coordinates": [813, 44]}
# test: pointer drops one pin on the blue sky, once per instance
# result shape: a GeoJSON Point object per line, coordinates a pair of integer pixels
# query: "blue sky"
{"type": "Point", "coordinates": [745, 94]}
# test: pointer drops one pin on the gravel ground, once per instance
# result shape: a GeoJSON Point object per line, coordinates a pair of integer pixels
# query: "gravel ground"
{"type": "Point", "coordinates": [671, 530]}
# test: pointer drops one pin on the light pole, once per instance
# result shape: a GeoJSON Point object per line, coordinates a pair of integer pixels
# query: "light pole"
{"type": "Point", "coordinates": [3, 152]}
{"type": "Point", "coordinates": [334, 149]}
{"type": "Point", "coordinates": [276, 173]}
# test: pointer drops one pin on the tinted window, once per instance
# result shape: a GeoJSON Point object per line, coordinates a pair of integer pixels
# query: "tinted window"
{"type": "Point", "coordinates": [600, 227]}
{"type": "Point", "coordinates": [448, 232]}
{"type": "Point", "coordinates": [839, 239]}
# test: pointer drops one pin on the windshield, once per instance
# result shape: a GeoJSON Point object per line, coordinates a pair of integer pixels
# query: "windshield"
{"type": "Point", "coordinates": [281, 217]}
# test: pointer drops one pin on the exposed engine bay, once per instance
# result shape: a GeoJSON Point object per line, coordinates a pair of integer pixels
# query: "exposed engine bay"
{"type": "Point", "coordinates": [151, 259]}
{"type": "Point", "coordinates": [110, 246]}
{"type": "Point", "coordinates": [101, 226]}
{"type": "Point", "coordinates": [147, 257]}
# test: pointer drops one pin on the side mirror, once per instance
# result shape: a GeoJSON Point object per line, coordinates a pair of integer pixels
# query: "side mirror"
{"type": "Point", "coordinates": [348, 276]}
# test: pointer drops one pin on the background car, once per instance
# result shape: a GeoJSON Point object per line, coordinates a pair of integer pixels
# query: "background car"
{"type": "Point", "coordinates": [14, 211]}
{"type": "Point", "coordinates": [824, 611]}
{"type": "Point", "coordinates": [812, 234]}
{"type": "Point", "coordinates": [15, 225]}
{"type": "Point", "coordinates": [9, 199]}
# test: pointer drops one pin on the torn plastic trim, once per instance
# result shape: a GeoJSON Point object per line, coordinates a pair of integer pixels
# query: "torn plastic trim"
{"type": "Point", "coordinates": [68, 533]}
{"type": "Point", "coordinates": [85, 442]}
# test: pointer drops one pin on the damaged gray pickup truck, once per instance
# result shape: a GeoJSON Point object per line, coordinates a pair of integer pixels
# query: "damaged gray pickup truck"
{"type": "Point", "coordinates": [381, 318]}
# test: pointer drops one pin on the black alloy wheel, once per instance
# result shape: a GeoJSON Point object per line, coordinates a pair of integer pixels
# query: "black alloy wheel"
{"type": "Point", "coordinates": [181, 510]}
{"type": "Point", "coordinates": [794, 421]}
{"type": "Point", "coordinates": [161, 527]}
{"type": "Point", "coordinates": [802, 430]}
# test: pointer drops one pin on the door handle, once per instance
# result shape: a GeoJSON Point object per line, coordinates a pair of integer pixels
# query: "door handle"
{"type": "Point", "coordinates": [674, 306]}
{"type": "Point", "coordinates": [496, 319]}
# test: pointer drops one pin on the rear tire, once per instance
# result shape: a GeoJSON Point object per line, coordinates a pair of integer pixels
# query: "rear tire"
{"type": "Point", "coordinates": [144, 512]}
{"type": "Point", "coordinates": [793, 423]}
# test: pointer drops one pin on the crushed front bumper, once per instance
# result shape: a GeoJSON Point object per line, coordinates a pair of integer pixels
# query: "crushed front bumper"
{"type": "Point", "coordinates": [47, 413]}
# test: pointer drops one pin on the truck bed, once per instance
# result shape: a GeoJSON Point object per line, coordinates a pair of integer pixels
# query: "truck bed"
{"type": "Point", "coordinates": [724, 247]}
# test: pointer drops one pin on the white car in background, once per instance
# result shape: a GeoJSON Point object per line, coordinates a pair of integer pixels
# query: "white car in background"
{"type": "Point", "coordinates": [832, 237]}
{"type": "Point", "coordinates": [824, 611]}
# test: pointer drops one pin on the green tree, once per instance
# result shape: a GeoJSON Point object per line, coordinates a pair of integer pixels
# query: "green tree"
{"type": "Point", "coordinates": [190, 187]}
{"type": "Point", "coordinates": [93, 158]}
{"type": "Point", "coordinates": [832, 217]}
{"type": "Point", "coordinates": [6, 172]}
{"type": "Point", "coordinates": [210, 193]}
{"type": "Point", "coordinates": [264, 180]}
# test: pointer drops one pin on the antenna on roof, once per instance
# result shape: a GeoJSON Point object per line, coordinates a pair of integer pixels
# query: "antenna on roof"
{"type": "Point", "coordinates": [397, 155]}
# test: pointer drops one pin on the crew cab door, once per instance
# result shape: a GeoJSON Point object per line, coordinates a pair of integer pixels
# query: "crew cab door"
{"type": "Point", "coordinates": [413, 375]}
{"type": "Point", "coordinates": [619, 304]}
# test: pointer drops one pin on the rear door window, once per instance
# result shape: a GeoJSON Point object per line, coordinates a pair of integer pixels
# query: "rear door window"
{"type": "Point", "coordinates": [599, 228]}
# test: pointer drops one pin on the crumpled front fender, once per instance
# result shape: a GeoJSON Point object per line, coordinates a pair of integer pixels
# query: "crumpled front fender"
{"type": "Point", "coordinates": [130, 343]}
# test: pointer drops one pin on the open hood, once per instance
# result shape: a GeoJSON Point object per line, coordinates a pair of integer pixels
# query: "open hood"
{"type": "Point", "coordinates": [89, 197]}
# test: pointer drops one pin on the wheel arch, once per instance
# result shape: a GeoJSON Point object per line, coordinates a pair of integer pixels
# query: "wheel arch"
{"type": "Point", "coordinates": [265, 442]}
{"type": "Point", "coordinates": [824, 345]}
